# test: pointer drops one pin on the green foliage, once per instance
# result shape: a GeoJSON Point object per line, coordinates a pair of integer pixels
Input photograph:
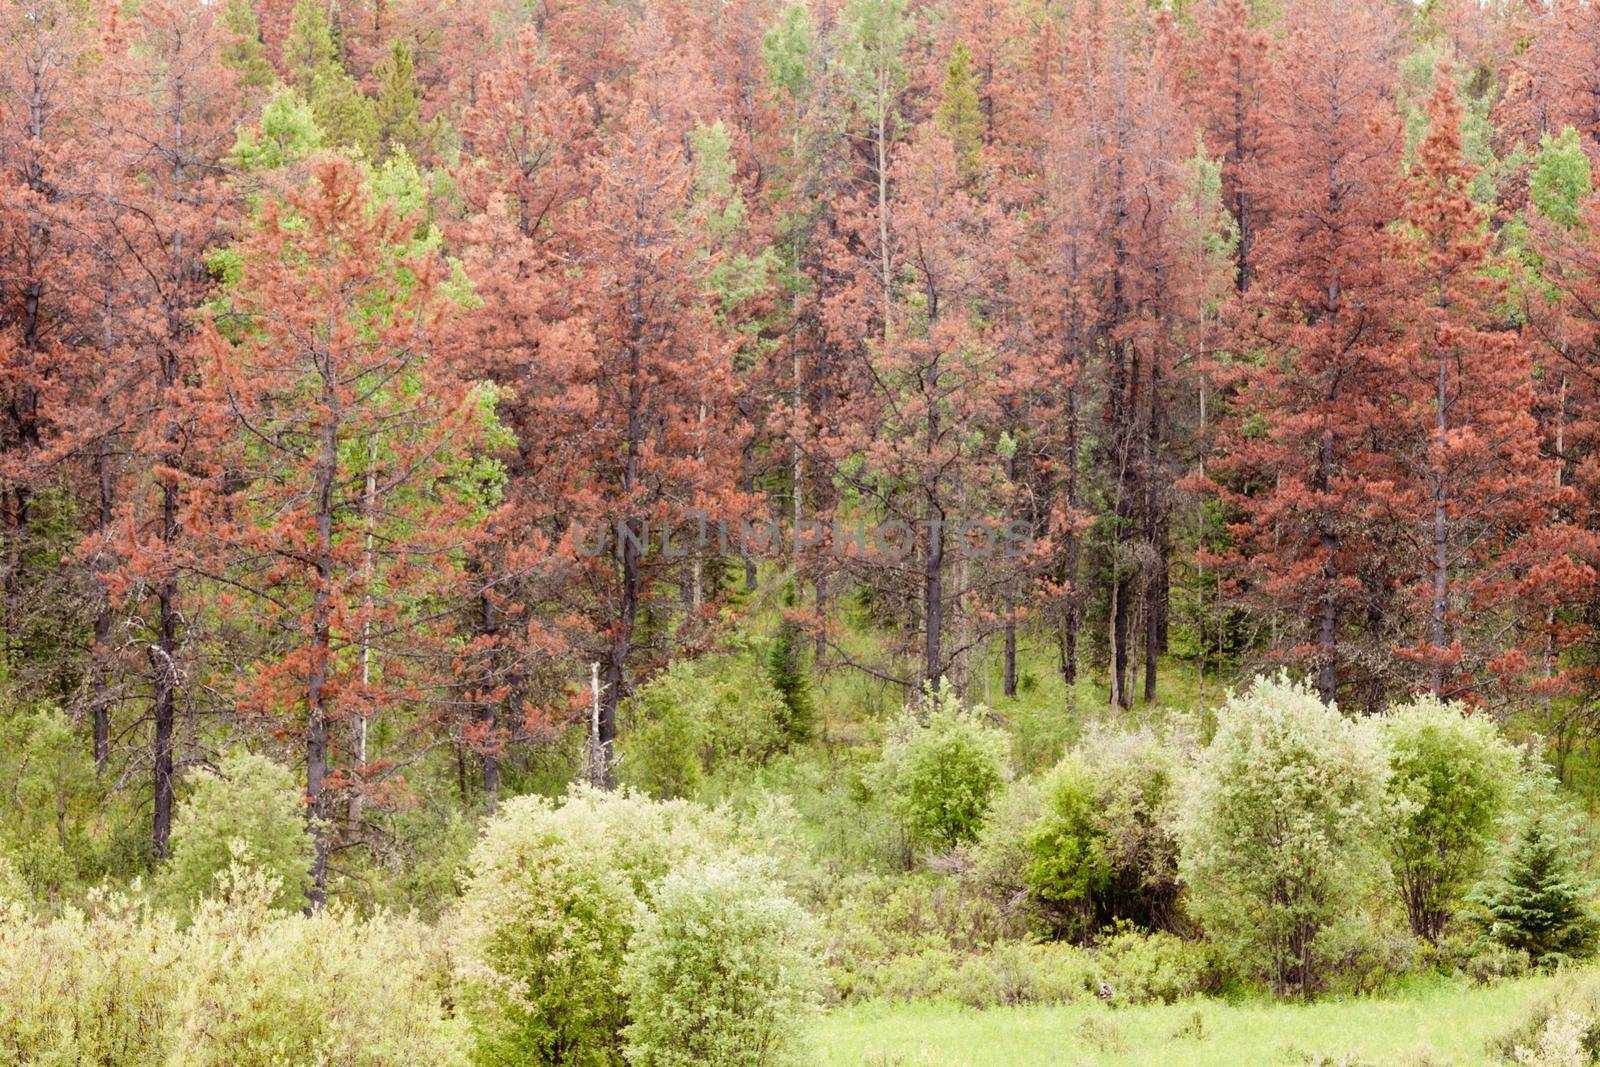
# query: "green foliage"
{"type": "Point", "coordinates": [696, 719]}
{"type": "Point", "coordinates": [244, 52]}
{"type": "Point", "coordinates": [787, 675]}
{"type": "Point", "coordinates": [1539, 901]}
{"type": "Point", "coordinates": [553, 896]}
{"type": "Point", "coordinates": [1560, 178]}
{"type": "Point", "coordinates": [1067, 864]}
{"type": "Point", "coordinates": [873, 36]}
{"type": "Point", "coordinates": [59, 830]}
{"type": "Point", "coordinates": [1140, 967]}
{"type": "Point", "coordinates": [1209, 234]}
{"type": "Point", "coordinates": [720, 972]}
{"type": "Point", "coordinates": [397, 109]}
{"type": "Point", "coordinates": [1450, 779]}
{"type": "Point", "coordinates": [540, 936]}
{"type": "Point", "coordinates": [250, 810]}
{"type": "Point", "coordinates": [715, 187]}
{"type": "Point", "coordinates": [89, 987]}
{"type": "Point", "coordinates": [958, 112]}
{"type": "Point", "coordinates": [263, 988]}
{"type": "Point", "coordinates": [1280, 830]}
{"type": "Point", "coordinates": [1004, 852]}
{"type": "Point", "coordinates": [1105, 848]}
{"type": "Point", "coordinates": [285, 133]}
{"type": "Point", "coordinates": [941, 768]}
{"type": "Point", "coordinates": [316, 71]}
{"type": "Point", "coordinates": [245, 985]}
{"type": "Point", "coordinates": [787, 51]}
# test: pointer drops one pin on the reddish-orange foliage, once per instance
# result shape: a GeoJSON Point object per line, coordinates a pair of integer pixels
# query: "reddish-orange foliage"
{"type": "Point", "coordinates": [339, 483]}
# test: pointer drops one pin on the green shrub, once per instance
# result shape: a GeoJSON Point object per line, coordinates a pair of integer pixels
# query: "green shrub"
{"type": "Point", "coordinates": [1067, 861]}
{"type": "Point", "coordinates": [61, 827]}
{"type": "Point", "coordinates": [544, 922]}
{"type": "Point", "coordinates": [1140, 967]}
{"type": "Point", "coordinates": [1539, 900]}
{"type": "Point", "coordinates": [720, 972]}
{"type": "Point", "coordinates": [1495, 962]}
{"type": "Point", "coordinates": [1365, 951]}
{"type": "Point", "coordinates": [941, 767]}
{"type": "Point", "coordinates": [1561, 1028]}
{"type": "Point", "coordinates": [263, 988]}
{"type": "Point", "coordinates": [696, 719]}
{"type": "Point", "coordinates": [1450, 779]}
{"type": "Point", "coordinates": [251, 808]}
{"type": "Point", "coordinates": [552, 898]}
{"type": "Point", "coordinates": [786, 673]}
{"type": "Point", "coordinates": [245, 985]}
{"type": "Point", "coordinates": [845, 818]}
{"type": "Point", "coordinates": [1003, 853]}
{"type": "Point", "coordinates": [91, 987]}
{"type": "Point", "coordinates": [1104, 848]}
{"type": "Point", "coordinates": [1280, 830]}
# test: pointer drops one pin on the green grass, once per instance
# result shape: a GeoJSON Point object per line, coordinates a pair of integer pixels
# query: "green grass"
{"type": "Point", "coordinates": [1438, 1024]}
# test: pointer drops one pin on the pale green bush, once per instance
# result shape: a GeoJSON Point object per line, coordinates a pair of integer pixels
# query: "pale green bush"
{"type": "Point", "coordinates": [89, 987]}
{"type": "Point", "coordinates": [245, 985]}
{"type": "Point", "coordinates": [1138, 967]}
{"type": "Point", "coordinates": [1002, 854]}
{"type": "Point", "coordinates": [1281, 830]}
{"type": "Point", "coordinates": [720, 973]}
{"type": "Point", "coordinates": [552, 898]}
{"type": "Point", "coordinates": [1560, 1028]}
{"type": "Point", "coordinates": [1450, 783]}
{"type": "Point", "coordinates": [249, 803]}
{"type": "Point", "coordinates": [262, 987]}
{"type": "Point", "coordinates": [540, 935]}
{"type": "Point", "coordinates": [698, 719]}
{"type": "Point", "coordinates": [942, 766]}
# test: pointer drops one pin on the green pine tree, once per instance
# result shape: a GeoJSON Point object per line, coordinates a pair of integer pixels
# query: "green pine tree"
{"type": "Point", "coordinates": [1539, 903]}
{"type": "Point", "coordinates": [788, 677]}
{"type": "Point", "coordinates": [397, 111]}
{"type": "Point", "coordinates": [959, 114]}
{"type": "Point", "coordinates": [315, 71]}
{"type": "Point", "coordinates": [244, 52]}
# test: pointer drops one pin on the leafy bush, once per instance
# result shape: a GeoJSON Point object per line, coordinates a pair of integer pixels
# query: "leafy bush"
{"type": "Point", "coordinates": [700, 718]}
{"type": "Point", "coordinates": [844, 816]}
{"type": "Point", "coordinates": [1003, 852]}
{"type": "Point", "coordinates": [1561, 1028]}
{"type": "Point", "coordinates": [60, 827]}
{"type": "Point", "coordinates": [1140, 967]}
{"type": "Point", "coordinates": [553, 897]}
{"type": "Point", "coordinates": [1280, 830]}
{"type": "Point", "coordinates": [251, 804]}
{"type": "Point", "coordinates": [91, 987]}
{"type": "Point", "coordinates": [545, 919]}
{"type": "Point", "coordinates": [1104, 848]}
{"type": "Point", "coordinates": [720, 972]}
{"type": "Point", "coordinates": [1365, 951]}
{"type": "Point", "coordinates": [1539, 900]}
{"type": "Point", "coordinates": [245, 984]}
{"type": "Point", "coordinates": [941, 768]}
{"type": "Point", "coordinates": [1450, 779]}
{"type": "Point", "coordinates": [263, 988]}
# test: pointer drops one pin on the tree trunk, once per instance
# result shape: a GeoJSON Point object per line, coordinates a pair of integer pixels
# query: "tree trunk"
{"type": "Point", "coordinates": [1441, 537]}
{"type": "Point", "coordinates": [1011, 653]}
{"type": "Point", "coordinates": [489, 705]}
{"type": "Point", "coordinates": [318, 808]}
